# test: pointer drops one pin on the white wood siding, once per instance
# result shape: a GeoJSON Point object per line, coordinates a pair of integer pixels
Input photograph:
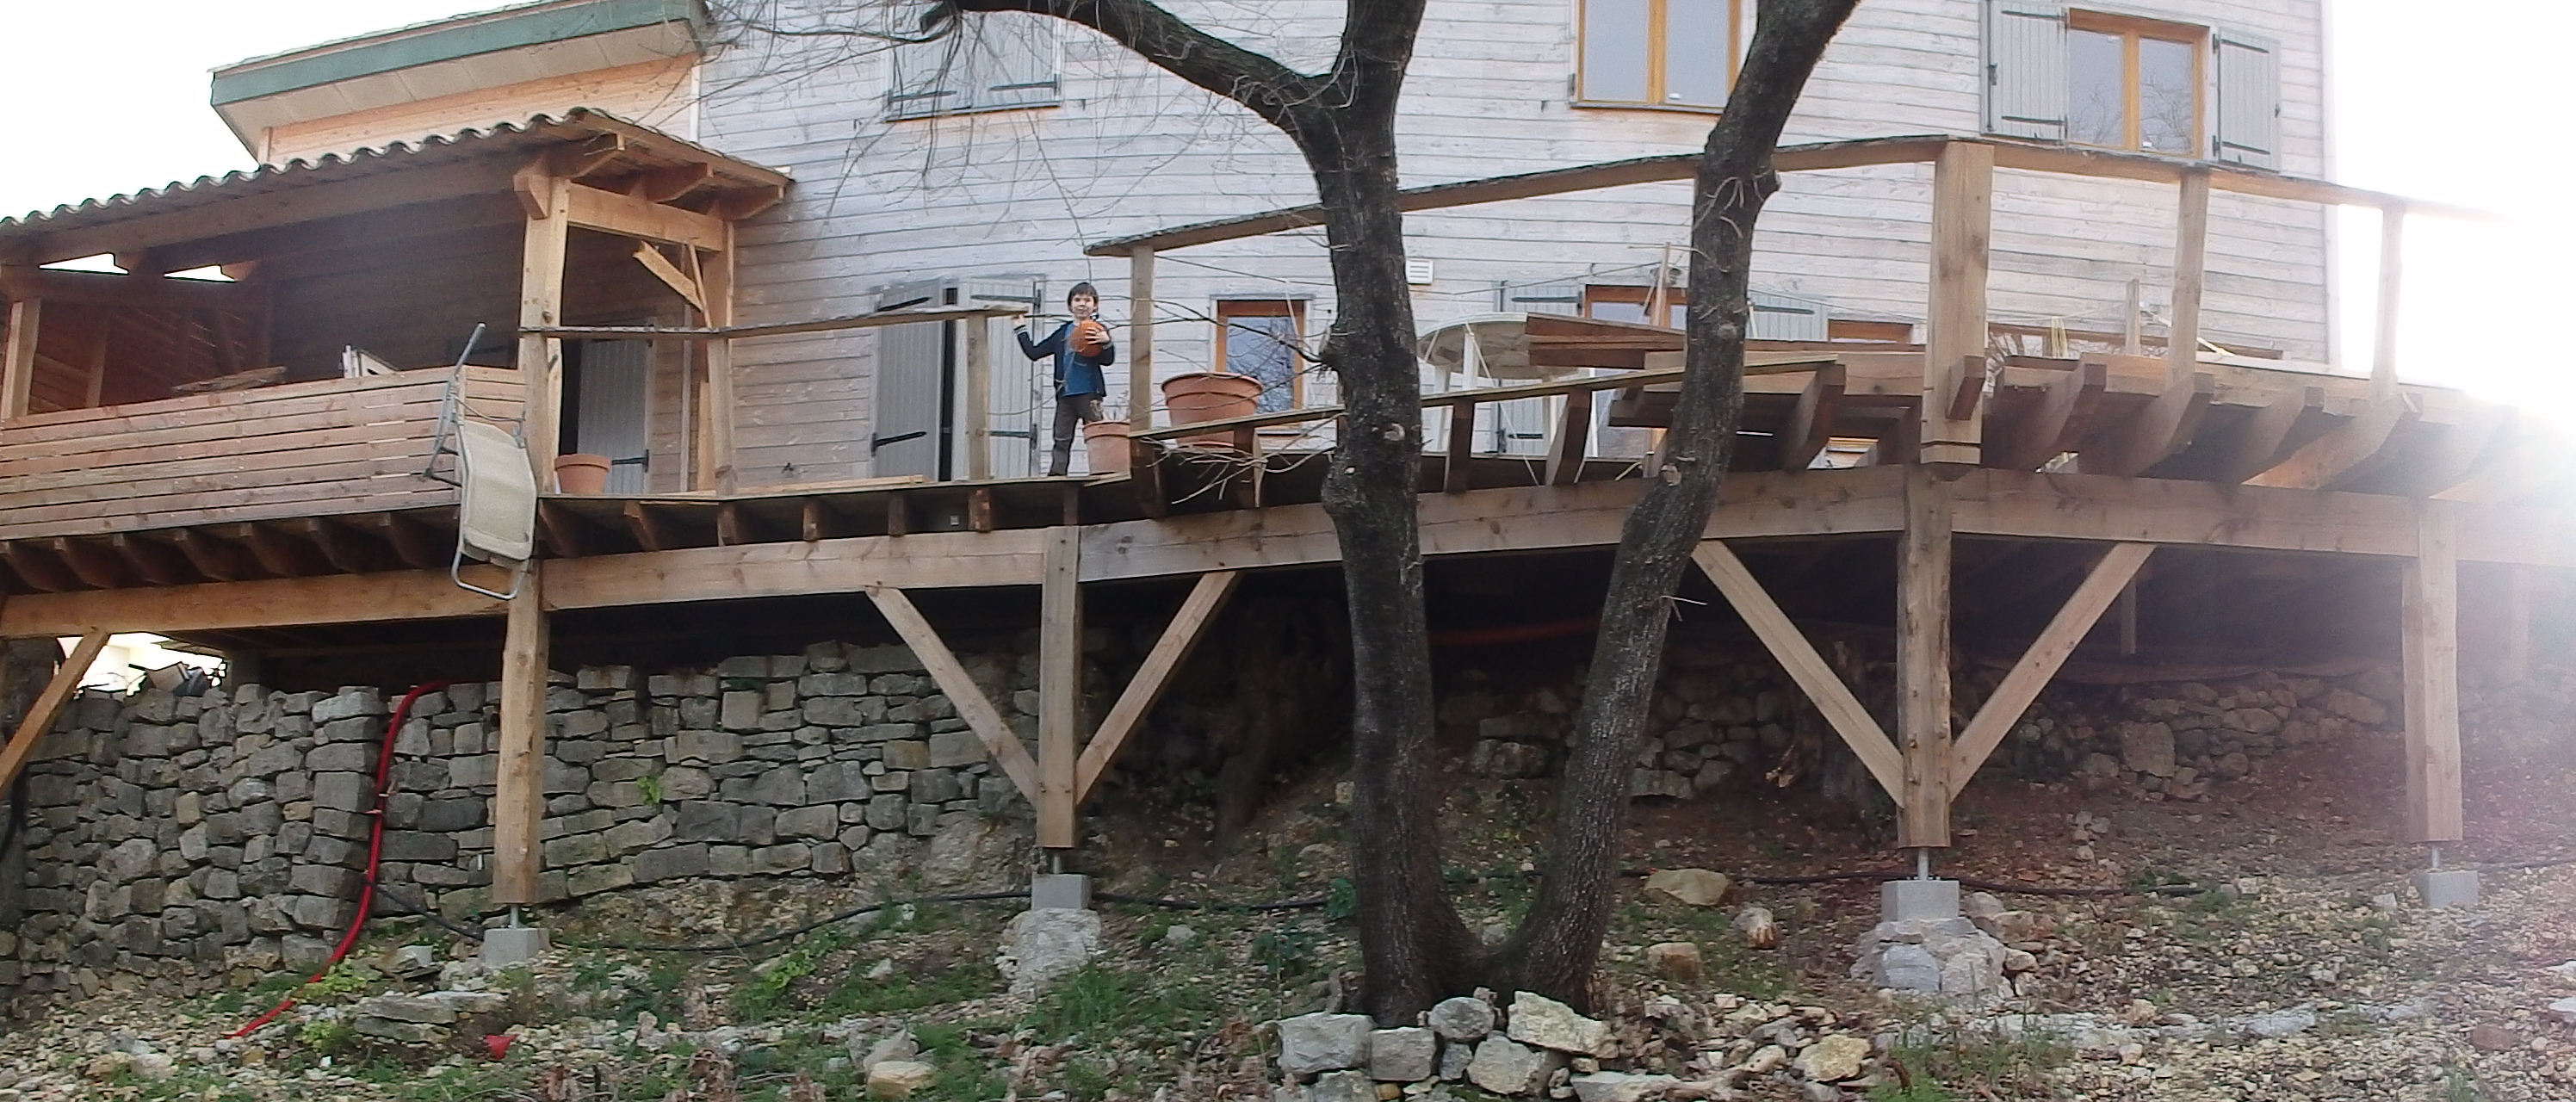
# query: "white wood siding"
{"type": "Point", "coordinates": [1132, 149]}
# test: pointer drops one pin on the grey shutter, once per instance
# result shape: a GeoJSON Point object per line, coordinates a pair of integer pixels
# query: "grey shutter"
{"type": "Point", "coordinates": [2249, 100]}
{"type": "Point", "coordinates": [2026, 69]}
{"type": "Point", "coordinates": [910, 372]}
{"type": "Point", "coordinates": [928, 78]}
{"type": "Point", "coordinates": [1014, 60]}
{"type": "Point", "coordinates": [1779, 317]}
{"type": "Point", "coordinates": [1539, 298]}
{"type": "Point", "coordinates": [615, 378]}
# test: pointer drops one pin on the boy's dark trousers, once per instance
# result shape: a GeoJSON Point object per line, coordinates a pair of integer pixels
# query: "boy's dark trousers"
{"type": "Point", "coordinates": [1071, 411]}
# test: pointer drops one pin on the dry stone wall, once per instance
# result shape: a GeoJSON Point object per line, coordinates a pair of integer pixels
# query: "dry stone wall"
{"type": "Point", "coordinates": [1725, 718]}
{"type": "Point", "coordinates": [187, 837]}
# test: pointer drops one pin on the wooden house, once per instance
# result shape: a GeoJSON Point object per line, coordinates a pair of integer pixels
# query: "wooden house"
{"type": "Point", "coordinates": [699, 301]}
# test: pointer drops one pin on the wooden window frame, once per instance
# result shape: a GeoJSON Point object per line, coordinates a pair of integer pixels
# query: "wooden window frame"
{"type": "Point", "coordinates": [1655, 55]}
{"type": "Point", "coordinates": [1228, 309]}
{"type": "Point", "coordinates": [2129, 29]}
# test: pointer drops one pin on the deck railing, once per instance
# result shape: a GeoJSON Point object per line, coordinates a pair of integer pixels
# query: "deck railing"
{"type": "Point", "coordinates": [322, 448]}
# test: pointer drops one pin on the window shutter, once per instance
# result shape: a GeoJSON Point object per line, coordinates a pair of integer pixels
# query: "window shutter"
{"type": "Point", "coordinates": [1014, 60]}
{"type": "Point", "coordinates": [2249, 100]}
{"type": "Point", "coordinates": [2026, 69]}
{"type": "Point", "coordinates": [1779, 317]}
{"type": "Point", "coordinates": [930, 78]}
{"type": "Point", "coordinates": [1539, 298]}
{"type": "Point", "coordinates": [911, 371]}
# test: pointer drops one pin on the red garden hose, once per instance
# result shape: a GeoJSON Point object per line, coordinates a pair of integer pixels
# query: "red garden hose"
{"type": "Point", "coordinates": [375, 852]}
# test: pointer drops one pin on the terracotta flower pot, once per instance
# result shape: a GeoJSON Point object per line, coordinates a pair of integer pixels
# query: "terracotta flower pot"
{"type": "Point", "coordinates": [581, 473]}
{"type": "Point", "coordinates": [1106, 443]}
{"type": "Point", "coordinates": [1210, 396]}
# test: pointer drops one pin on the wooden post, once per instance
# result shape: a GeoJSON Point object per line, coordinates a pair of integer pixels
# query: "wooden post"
{"type": "Point", "coordinates": [2129, 619]}
{"type": "Point", "coordinates": [540, 359]}
{"type": "Point", "coordinates": [2383, 349]}
{"type": "Point", "coordinates": [979, 399]}
{"type": "Point", "coordinates": [1923, 661]}
{"type": "Point", "coordinates": [1059, 686]}
{"type": "Point", "coordinates": [1140, 339]}
{"type": "Point", "coordinates": [2190, 274]}
{"type": "Point", "coordinates": [2431, 657]}
{"type": "Point", "coordinates": [716, 282]}
{"type": "Point", "coordinates": [48, 706]}
{"type": "Point", "coordinates": [519, 786]}
{"type": "Point", "coordinates": [1963, 191]}
{"type": "Point", "coordinates": [18, 358]}
{"type": "Point", "coordinates": [2133, 340]}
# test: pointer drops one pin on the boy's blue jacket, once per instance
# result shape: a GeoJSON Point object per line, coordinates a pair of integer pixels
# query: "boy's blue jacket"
{"type": "Point", "coordinates": [1075, 373]}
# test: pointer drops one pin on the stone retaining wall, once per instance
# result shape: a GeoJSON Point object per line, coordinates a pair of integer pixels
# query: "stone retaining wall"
{"type": "Point", "coordinates": [184, 837]}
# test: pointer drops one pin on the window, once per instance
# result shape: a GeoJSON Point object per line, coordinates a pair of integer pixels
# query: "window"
{"type": "Point", "coordinates": [1660, 53]}
{"type": "Point", "coordinates": [1629, 304]}
{"type": "Point", "coordinates": [2133, 83]}
{"type": "Point", "coordinates": [991, 62]}
{"type": "Point", "coordinates": [1258, 338]}
{"type": "Point", "coordinates": [2123, 82]}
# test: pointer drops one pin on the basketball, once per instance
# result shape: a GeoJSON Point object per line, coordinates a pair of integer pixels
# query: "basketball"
{"type": "Point", "coordinates": [1090, 337]}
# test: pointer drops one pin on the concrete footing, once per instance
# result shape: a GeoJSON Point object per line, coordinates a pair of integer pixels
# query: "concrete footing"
{"type": "Point", "coordinates": [511, 945]}
{"type": "Point", "coordinates": [1911, 900]}
{"type": "Point", "coordinates": [2447, 888]}
{"type": "Point", "coordinates": [1060, 889]}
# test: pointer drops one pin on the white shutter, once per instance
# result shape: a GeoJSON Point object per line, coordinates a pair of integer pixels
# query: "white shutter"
{"type": "Point", "coordinates": [911, 373]}
{"type": "Point", "coordinates": [1014, 60]}
{"type": "Point", "coordinates": [2026, 69]}
{"type": "Point", "coordinates": [2249, 100]}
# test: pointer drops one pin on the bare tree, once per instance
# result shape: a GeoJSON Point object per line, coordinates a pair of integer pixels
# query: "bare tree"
{"type": "Point", "coordinates": [1414, 947]}
{"type": "Point", "coordinates": [1559, 939]}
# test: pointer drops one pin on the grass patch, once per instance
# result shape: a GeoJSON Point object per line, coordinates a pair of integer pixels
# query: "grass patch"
{"type": "Point", "coordinates": [1944, 1064]}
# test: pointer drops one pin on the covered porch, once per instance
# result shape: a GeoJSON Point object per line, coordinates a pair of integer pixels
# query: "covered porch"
{"type": "Point", "coordinates": [254, 394]}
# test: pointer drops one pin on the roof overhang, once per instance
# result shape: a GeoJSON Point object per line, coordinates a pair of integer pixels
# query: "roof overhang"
{"type": "Point", "coordinates": [467, 53]}
{"type": "Point", "coordinates": [588, 146]}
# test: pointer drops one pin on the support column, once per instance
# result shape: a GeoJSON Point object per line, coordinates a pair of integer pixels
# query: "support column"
{"type": "Point", "coordinates": [1954, 339]}
{"type": "Point", "coordinates": [18, 357]}
{"type": "Point", "coordinates": [1923, 662]}
{"type": "Point", "coordinates": [1140, 340]}
{"type": "Point", "coordinates": [716, 283]}
{"type": "Point", "coordinates": [518, 797]}
{"type": "Point", "coordinates": [541, 266]}
{"type": "Point", "coordinates": [2431, 657]}
{"type": "Point", "coordinates": [2392, 276]}
{"type": "Point", "coordinates": [1059, 686]}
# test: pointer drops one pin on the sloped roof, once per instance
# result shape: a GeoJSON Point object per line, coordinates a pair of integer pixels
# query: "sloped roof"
{"type": "Point", "coordinates": [134, 219]}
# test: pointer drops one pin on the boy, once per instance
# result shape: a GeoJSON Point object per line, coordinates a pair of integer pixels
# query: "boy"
{"type": "Point", "coordinates": [1081, 348]}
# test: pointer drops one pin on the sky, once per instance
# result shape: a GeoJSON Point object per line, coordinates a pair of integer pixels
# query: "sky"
{"type": "Point", "coordinates": [2443, 107]}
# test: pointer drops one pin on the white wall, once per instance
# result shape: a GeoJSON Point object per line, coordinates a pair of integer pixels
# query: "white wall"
{"type": "Point", "coordinates": [1131, 149]}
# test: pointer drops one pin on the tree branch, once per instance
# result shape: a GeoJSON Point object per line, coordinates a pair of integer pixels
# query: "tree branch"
{"type": "Point", "coordinates": [1280, 95]}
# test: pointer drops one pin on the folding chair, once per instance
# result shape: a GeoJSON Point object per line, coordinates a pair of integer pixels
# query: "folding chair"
{"type": "Point", "coordinates": [496, 505]}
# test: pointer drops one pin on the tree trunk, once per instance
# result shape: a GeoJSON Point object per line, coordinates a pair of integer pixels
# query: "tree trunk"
{"type": "Point", "coordinates": [1414, 948]}
{"type": "Point", "coordinates": [1558, 945]}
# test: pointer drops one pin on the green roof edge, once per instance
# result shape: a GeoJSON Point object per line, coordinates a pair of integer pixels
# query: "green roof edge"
{"type": "Point", "coordinates": [481, 34]}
